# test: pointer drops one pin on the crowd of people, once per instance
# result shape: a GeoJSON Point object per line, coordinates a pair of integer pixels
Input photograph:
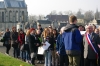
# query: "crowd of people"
{"type": "Point", "coordinates": [67, 48]}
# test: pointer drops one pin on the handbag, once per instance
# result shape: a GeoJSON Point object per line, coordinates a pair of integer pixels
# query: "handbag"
{"type": "Point", "coordinates": [22, 47]}
{"type": "Point", "coordinates": [41, 50]}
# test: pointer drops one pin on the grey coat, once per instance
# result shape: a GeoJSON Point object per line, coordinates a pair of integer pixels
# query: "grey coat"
{"type": "Point", "coordinates": [88, 51]}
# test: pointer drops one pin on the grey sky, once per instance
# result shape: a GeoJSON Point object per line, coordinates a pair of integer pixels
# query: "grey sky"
{"type": "Point", "coordinates": [44, 7]}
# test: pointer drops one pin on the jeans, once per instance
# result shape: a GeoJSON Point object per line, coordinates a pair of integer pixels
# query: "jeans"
{"type": "Point", "coordinates": [48, 58]}
{"type": "Point", "coordinates": [23, 55]}
{"type": "Point", "coordinates": [16, 52]}
{"type": "Point", "coordinates": [74, 60]}
{"type": "Point", "coordinates": [27, 55]}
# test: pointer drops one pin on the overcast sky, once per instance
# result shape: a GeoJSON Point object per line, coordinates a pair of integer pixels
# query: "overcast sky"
{"type": "Point", "coordinates": [44, 7]}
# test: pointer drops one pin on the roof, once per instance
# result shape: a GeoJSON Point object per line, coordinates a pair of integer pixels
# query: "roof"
{"type": "Point", "coordinates": [58, 17]}
{"type": "Point", "coordinates": [15, 3]}
{"type": "Point", "coordinates": [2, 4]}
{"type": "Point", "coordinates": [44, 21]}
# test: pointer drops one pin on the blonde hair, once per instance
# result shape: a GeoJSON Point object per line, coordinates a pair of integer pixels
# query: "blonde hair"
{"type": "Point", "coordinates": [27, 32]}
{"type": "Point", "coordinates": [45, 32]}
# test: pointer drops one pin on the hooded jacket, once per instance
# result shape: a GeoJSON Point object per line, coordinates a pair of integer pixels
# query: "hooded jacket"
{"type": "Point", "coordinates": [72, 40]}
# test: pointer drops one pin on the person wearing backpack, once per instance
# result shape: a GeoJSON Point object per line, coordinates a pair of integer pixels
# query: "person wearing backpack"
{"type": "Point", "coordinates": [72, 40]}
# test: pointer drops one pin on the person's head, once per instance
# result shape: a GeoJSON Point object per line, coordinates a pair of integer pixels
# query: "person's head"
{"type": "Point", "coordinates": [27, 32]}
{"type": "Point", "coordinates": [62, 30]}
{"type": "Point", "coordinates": [54, 31]}
{"type": "Point", "coordinates": [73, 19]}
{"type": "Point", "coordinates": [81, 28]}
{"type": "Point", "coordinates": [94, 27]}
{"type": "Point", "coordinates": [32, 31]}
{"type": "Point", "coordinates": [46, 32]}
{"type": "Point", "coordinates": [39, 26]}
{"type": "Point", "coordinates": [7, 30]}
{"type": "Point", "coordinates": [89, 29]}
{"type": "Point", "coordinates": [38, 32]}
{"type": "Point", "coordinates": [21, 31]}
{"type": "Point", "coordinates": [14, 29]}
{"type": "Point", "coordinates": [96, 31]}
{"type": "Point", "coordinates": [50, 27]}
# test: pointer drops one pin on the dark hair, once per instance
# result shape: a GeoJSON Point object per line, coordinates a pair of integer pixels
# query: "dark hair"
{"type": "Point", "coordinates": [56, 33]}
{"type": "Point", "coordinates": [39, 25]}
{"type": "Point", "coordinates": [84, 28]}
{"type": "Point", "coordinates": [94, 25]}
{"type": "Point", "coordinates": [72, 18]}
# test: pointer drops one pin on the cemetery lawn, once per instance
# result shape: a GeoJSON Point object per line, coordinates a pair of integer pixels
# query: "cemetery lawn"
{"type": "Point", "coordinates": [10, 61]}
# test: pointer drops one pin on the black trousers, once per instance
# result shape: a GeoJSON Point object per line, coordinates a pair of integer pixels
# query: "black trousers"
{"type": "Point", "coordinates": [64, 59]}
{"type": "Point", "coordinates": [40, 57]}
{"type": "Point", "coordinates": [8, 47]}
{"type": "Point", "coordinates": [16, 52]}
{"type": "Point", "coordinates": [89, 62]}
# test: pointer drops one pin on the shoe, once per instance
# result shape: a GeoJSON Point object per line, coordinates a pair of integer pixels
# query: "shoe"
{"type": "Point", "coordinates": [27, 61]}
{"type": "Point", "coordinates": [38, 62]}
{"type": "Point", "coordinates": [6, 54]}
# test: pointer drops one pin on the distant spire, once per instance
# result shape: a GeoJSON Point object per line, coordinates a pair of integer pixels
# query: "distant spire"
{"type": "Point", "coordinates": [94, 17]}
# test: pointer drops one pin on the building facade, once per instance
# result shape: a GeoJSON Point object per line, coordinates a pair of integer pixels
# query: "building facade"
{"type": "Point", "coordinates": [12, 12]}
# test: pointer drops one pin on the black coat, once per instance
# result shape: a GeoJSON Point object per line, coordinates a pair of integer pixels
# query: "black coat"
{"type": "Point", "coordinates": [33, 40]}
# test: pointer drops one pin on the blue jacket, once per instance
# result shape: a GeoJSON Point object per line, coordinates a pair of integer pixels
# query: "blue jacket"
{"type": "Point", "coordinates": [60, 45]}
{"type": "Point", "coordinates": [72, 38]}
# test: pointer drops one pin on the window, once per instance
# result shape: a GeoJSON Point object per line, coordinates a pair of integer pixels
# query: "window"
{"type": "Point", "coordinates": [2, 16]}
{"type": "Point", "coordinates": [16, 15]}
{"type": "Point", "coordinates": [10, 16]}
{"type": "Point", "coordinates": [22, 15]}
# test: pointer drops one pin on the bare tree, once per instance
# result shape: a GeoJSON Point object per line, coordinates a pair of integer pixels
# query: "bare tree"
{"type": "Point", "coordinates": [53, 12]}
{"type": "Point", "coordinates": [32, 18]}
{"type": "Point", "coordinates": [97, 15]}
{"type": "Point", "coordinates": [69, 13]}
{"type": "Point", "coordinates": [79, 14]}
{"type": "Point", "coordinates": [60, 13]}
{"type": "Point", "coordinates": [88, 16]}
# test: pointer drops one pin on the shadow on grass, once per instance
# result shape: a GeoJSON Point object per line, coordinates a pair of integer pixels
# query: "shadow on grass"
{"type": "Point", "coordinates": [1, 65]}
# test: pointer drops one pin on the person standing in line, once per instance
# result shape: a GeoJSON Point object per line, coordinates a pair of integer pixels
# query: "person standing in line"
{"type": "Point", "coordinates": [98, 33]}
{"type": "Point", "coordinates": [90, 42]}
{"type": "Point", "coordinates": [33, 45]}
{"type": "Point", "coordinates": [61, 49]}
{"type": "Point", "coordinates": [94, 27]}
{"type": "Point", "coordinates": [7, 41]}
{"type": "Point", "coordinates": [27, 47]}
{"type": "Point", "coordinates": [14, 42]}
{"type": "Point", "coordinates": [40, 28]}
{"type": "Point", "coordinates": [72, 40]}
{"type": "Point", "coordinates": [47, 37]}
{"type": "Point", "coordinates": [82, 28]}
{"type": "Point", "coordinates": [39, 57]}
{"type": "Point", "coordinates": [56, 57]}
{"type": "Point", "coordinates": [21, 40]}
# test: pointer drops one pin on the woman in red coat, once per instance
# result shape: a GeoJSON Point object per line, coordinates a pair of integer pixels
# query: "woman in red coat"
{"type": "Point", "coordinates": [21, 40]}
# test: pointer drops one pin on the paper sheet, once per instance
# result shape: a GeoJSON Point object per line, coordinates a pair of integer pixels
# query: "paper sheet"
{"type": "Point", "coordinates": [45, 47]}
{"type": "Point", "coordinates": [82, 32]}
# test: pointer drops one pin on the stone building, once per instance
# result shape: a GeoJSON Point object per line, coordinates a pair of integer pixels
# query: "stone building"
{"type": "Point", "coordinates": [57, 20]}
{"type": "Point", "coordinates": [12, 12]}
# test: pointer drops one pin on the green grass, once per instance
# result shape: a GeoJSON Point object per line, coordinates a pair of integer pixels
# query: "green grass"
{"type": "Point", "coordinates": [10, 61]}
